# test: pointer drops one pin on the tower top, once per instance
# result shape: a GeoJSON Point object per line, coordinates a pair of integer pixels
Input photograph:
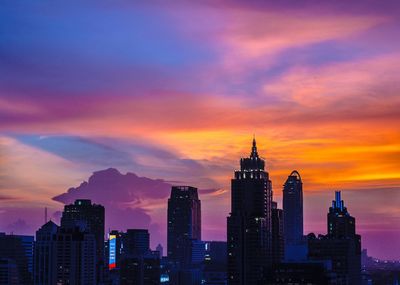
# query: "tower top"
{"type": "Point", "coordinates": [254, 152]}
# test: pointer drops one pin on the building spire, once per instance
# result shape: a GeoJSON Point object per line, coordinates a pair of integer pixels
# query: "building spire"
{"type": "Point", "coordinates": [254, 152]}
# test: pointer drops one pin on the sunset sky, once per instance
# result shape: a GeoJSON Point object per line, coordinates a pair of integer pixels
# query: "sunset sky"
{"type": "Point", "coordinates": [175, 90]}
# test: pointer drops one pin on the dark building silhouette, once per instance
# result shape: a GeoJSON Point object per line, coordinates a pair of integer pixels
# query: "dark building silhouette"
{"type": "Point", "coordinates": [8, 272]}
{"type": "Point", "coordinates": [214, 271]}
{"type": "Point", "coordinates": [45, 255]}
{"type": "Point", "coordinates": [184, 221]}
{"type": "Point", "coordinates": [64, 256]}
{"type": "Point", "coordinates": [136, 241]}
{"type": "Point", "coordinates": [293, 216]}
{"type": "Point", "coordinates": [277, 249]}
{"type": "Point", "coordinates": [130, 259]}
{"type": "Point", "coordinates": [249, 223]}
{"type": "Point", "coordinates": [296, 273]}
{"type": "Point", "coordinates": [342, 246]}
{"type": "Point", "coordinates": [16, 256]}
{"type": "Point", "coordinates": [140, 269]}
{"type": "Point", "coordinates": [89, 218]}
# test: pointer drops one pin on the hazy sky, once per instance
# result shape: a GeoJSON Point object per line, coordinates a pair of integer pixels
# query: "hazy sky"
{"type": "Point", "coordinates": [175, 90]}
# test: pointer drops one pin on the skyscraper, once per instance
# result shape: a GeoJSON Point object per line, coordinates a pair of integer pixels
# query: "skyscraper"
{"type": "Point", "coordinates": [136, 241]}
{"type": "Point", "coordinates": [90, 218]}
{"type": "Point", "coordinates": [184, 221]}
{"type": "Point", "coordinates": [293, 208]}
{"type": "Point", "coordinates": [64, 256]}
{"type": "Point", "coordinates": [249, 223]}
{"type": "Point", "coordinates": [277, 248]}
{"type": "Point", "coordinates": [295, 245]}
{"type": "Point", "coordinates": [342, 246]}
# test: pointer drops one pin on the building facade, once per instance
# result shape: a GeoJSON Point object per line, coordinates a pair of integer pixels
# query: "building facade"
{"type": "Point", "coordinates": [249, 223]}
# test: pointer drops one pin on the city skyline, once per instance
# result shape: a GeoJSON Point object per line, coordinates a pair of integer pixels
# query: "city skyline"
{"type": "Point", "coordinates": [175, 95]}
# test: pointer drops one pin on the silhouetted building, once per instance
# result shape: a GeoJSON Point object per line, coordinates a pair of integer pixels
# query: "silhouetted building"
{"type": "Point", "coordinates": [45, 255]}
{"type": "Point", "coordinates": [140, 270]}
{"type": "Point", "coordinates": [160, 250]}
{"type": "Point", "coordinates": [16, 252]}
{"type": "Point", "coordinates": [8, 272]}
{"type": "Point", "coordinates": [249, 223]}
{"type": "Point", "coordinates": [64, 256]}
{"type": "Point", "coordinates": [184, 221]}
{"type": "Point", "coordinates": [89, 218]}
{"type": "Point", "coordinates": [277, 249]}
{"type": "Point", "coordinates": [215, 262]}
{"type": "Point", "coordinates": [293, 217]}
{"type": "Point", "coordinates": [296, 273]}
{"type": "Point", "coordinates": [341, 245]}
{"type": "Point", "coordinates": [136, 241]}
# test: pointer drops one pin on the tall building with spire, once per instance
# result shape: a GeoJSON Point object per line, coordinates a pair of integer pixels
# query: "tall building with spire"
{"type": "Point", "coordinates": [342, 246]}
{"type": "Point", "coordinates": [249, 223]}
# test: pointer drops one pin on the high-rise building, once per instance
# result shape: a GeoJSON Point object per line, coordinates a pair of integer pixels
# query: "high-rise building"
{"type": "Point", "coordinates": [184, 221]}
{"type": "Point", "coordinates": [17, 254]}
{"type": "Point", "coordinates": [136, 241]}
{"type": "Point", "coordinates": [64, 256]}
{"type": "Point", "coordinates": [89, 218]}
{"type": "Point", "coordinates": [277, 248]}
{"type": "Point", "coordinates": [249, 223]}
{"type": "Point", "coordinates": [342, 246]}
{"type": "Point", "coordinates": [45, 255]}
{"type": "Point", "coordinates": [340, 223]}
{"type": "Point", "coordinates": [293, 209]}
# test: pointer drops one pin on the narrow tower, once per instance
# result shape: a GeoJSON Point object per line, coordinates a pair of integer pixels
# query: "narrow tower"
{"type": "Point", "coordinates": [249, 223]}
{"type": "Point", "coordinates": [184, 221]}
{"type": "Point", "coordinates": [293, 215]}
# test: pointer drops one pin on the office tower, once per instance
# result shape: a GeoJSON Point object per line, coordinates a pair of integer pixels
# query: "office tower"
{"type": "Point", "coordinates": [16, 252]}
{"type": "Point", "coordinates": [249, 223]}
{"type": "Point", "coordinates": [90, 218]}
{"type": "Point", "coordinates": [277, 247]}
{"type": "Point", "coordinates": [340, 223]}
{"type": "Point", "coordinates": [64, 256]}
{"type": "Point", "coordinates": [293, 209]}
{"type": "Point", "coordinates": [136, 241]}
{"type": "Point", "coordinates": [45, 255]}
{"type": "Point", "coordinates": [342, 246]}
{"type": "Point", "coordinates": [184, 221]}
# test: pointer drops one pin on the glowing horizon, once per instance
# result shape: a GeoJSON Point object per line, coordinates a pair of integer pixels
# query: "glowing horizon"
{"type": "Point", "coordinates": [176, 92]}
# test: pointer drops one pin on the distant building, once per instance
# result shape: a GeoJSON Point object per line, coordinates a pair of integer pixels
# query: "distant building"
{"type": "Point", "coordinates": [249, 223]}
{"type": "Point", "coordinates": [277, 248]}
{"type": "Point", "coordinates": [136, 241]}
{"type": "Point", "coordinates": [342, 246]}
{"type": "Point", "coordinates": [295, 248]}
{"type": "Point", "coordinates": [16, 253]}
{"type": "Point", "coordinates": [64, 256]}
{"type": "Point", "coordinates": [184, 221]}
{"type": "Point", "coordinates": [89, 218]}
{"type": "Point", "coordinates": [45, 262]}
{"type": "Point", "coordinates": [160, 250]}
